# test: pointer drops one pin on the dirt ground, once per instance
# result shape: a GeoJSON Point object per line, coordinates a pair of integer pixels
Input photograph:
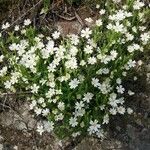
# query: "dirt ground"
{"type": "Point", "coordinates": [17, 123]}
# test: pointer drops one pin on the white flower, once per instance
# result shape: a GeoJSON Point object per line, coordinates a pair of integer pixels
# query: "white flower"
{"type": "Point", "coordinates": [94, 127]}
{"type": "Point", "coordinates": [104, 71]}
{"type": "Point", "coordinates": [50, 93]}
{"type": "Point", "coordinates": [119, 16]}
{"type": "Point", "coordinates": [41, 100]}
{"type": "Point", "coordinates": [142, 28]}
{"type": "Point", "coordinates": [45, 112]}
{"type": "Point", "coordinates": [118, 81]}
{"type": "Point", "coordinates": [1, 58]}
{"type": "Point", "coordinates": [76, 134]}
{"type": "Point", "coordinates": [121, 110]}
{"type": "Point", "coordinates": [109, 26]}
{"type": "Point", "coordinates": [73, 122]}
{"type": "Point", "coordinates": [106, 119]}
{"type": "Point", "coordinates": [137, 5]}
{"type": "Point", "coordinates": [124, 73]}
{"type": "Point", "coordinates": [130, 49]}
{"type": "Point", "coordinates": [95, 82]}
{"type": "Point", "coordinates": [73, 51]}
{"type": "Point", "coordinates": [48, 125]}
{"type": "Point", "coordinates": [102, 11]}
{"type": "Point", "coordinates": [92, 60]}
{"type": "Point", "coordinates": [87, 97]}
{"type": "Point", "coordinates": [40, 129]}
{"type": "Point", "coordinates": [14, 46]}
{"type": "Point", "coordinates": [86, 33]}
{"type": "Point", "coordinates": [145, 37]}
{"type": "Point", "coordinates": [74, 39]}
{"type": "Point", "coordinates": [128, 24]}
{"type": "Point", "coordinates": [88, 49]}
{"type": "Point", "coordinates": [5, 26]}
{"type": "Point", "coordinates": [120, 89]}
{"type": "Point", "coordinates": [79, 112]}
{"type": "Point", "coordinates": [131, 63]}
{"type": "Point", "coordinates": [38, 111]}
{"type": "Point", "coordinates": [113, 111]}
{"type": "Point", "coordinates": [130, 92]}
{"type": "Point", "coordinates": [112, 100]}
{"type": "Point", "coordinates": [135, 78]}
{"type": "Point", "coordinates": [51, 67]}
{"type": "Point", "coordinates": [14, 77]}
{"type": "Point", "coordinates": [56, 35]}
{"type": "Point", "coordinates": [100, 134]}
{"type": "Point", "coordinates": [129, 37]}
{"type": "Point", "coordinates": [3, 71]}
{"type": "Point", "coordinates": [134, 29]}
{"type": "Point", "coordinates": [99, 22]}
{"type": "Point", "coordinates": [59, 117]}
{"type": "Point", "coordinates": [102, 107]}
{"type": "Point", "coordinates": [59, 92]}
{"type": "Point", "coordinates": [74, 83]}
{"type": "Point", "coordinates": [105, 59]}
{"type": "Point", "coordinates": [97, 6]}
{"type": "Point", "coordinates": [136, 46]}
{"type": "Point", "coordinates": [71, 63]}
{"type": "Point", "coordinates": [105, 87]}
{"type": "Point", "coordinates": [119, 27]}
{"type": "Point", "coordinates": [33, 104]}
{"type": "Point", "coordinates": [129, 111]}
{"type": "Point", "coordinates": [34, 88]}
{"type": "Point", "coordinates": [7, 84]}
{"type": "Point", "coordinates": [43, 105]}
{"type": "Point", "coordinates": [61, 106]}
{"type": "Point", "coordinates": [82, 63]}
{"type": "Point", "coordinates": [27, 22]}
{"type": "Point", "coordinates": [113, 54]}
{"type": "Point", "coordinates": [79, 105]}
{"type": "Point", "coordinates": [16, 28]}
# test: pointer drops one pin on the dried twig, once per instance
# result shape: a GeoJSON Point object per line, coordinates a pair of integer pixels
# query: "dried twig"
{"type": "Point", "coordinates": [25, 13]}
{"type": "Point", "coordinates": [3, 104]}
{"type": "Point", "coordinates": [79, 19]}
{"type": "Point", "coordinates": [63, 17]}
{"type": "Point", "coordinates": [19, 93]}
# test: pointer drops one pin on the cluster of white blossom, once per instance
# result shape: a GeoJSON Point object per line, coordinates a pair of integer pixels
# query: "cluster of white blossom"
{"type": "Point", "coordinates": [76, 83]}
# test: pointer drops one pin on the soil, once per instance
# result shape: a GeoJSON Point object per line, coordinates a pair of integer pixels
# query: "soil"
{"type": "Point", "coordinates": [18, 124]}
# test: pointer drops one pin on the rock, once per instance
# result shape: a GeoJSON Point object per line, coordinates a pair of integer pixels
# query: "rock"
{"type": "Point", "coordinates": [95, 144]}
{"type": "Point", "coordinates": [148, 68]}
{"type": "Point", "coordinates": [21, 120]}
{"type": "Point", "coordinates": [7, 118]}
{"type": "Point", "coordinates": [88, 144]}
{"type": "Point", "coordinates": [131, 132]}
{"type": "Point", "coordinates": [20, 125]}
{"type": "Point", "coordinates": [65, 27]}
{"type": "Point", "coordinates": [1, 146]}
{"type": "Point", "coordinates": [15, 147]}
{"type": "Point", "coordinates": [7, 146]}
{"type": "Point", "coordinates": [1, 138]}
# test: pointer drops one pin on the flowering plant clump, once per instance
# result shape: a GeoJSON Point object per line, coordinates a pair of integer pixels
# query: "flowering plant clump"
{"type": "Point", "coordinates": [76, 81]}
